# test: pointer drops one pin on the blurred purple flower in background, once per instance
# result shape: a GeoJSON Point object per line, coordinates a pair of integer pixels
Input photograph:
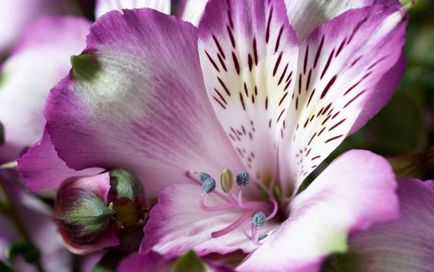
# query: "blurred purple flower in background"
{"type": "Point", "coordinates": [40, 58]}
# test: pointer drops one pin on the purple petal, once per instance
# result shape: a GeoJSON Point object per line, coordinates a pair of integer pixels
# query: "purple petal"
{"type": "Point", "coordinates": [305, 16]}
{"type": "Point", "coordinates": [355, 191]}
{"type": "Point", "coordinates": [340, 67]}
{"type": "Point", "coordinates": [137, 262]}
{"type": "Point", "coordinates": [191, 10]}
{"type": "Point", "coordinates": [104, 6]}
{"type": "Point", "coordinates": [403, 245]}
{"type": "Point", "coordinates": [144, 108]}
{"type": "Point", "coordinates": [41, 168]}
{"type": "Point", "coordinates": [177, 223]}
{"type": "Point", "coordinates": [40, 60]}
{"type": "Point", "coordinates": [248, 56]}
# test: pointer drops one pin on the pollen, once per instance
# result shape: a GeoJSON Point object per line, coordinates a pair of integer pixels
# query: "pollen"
{"type": "Point", "coordinates": [208, 185]}
{"type": "Point", "coordinates": [243, 179]}
{"type": "Point", "coordinates": [259, 219]}
{"type": "Point", "coordinates": [204, 176]}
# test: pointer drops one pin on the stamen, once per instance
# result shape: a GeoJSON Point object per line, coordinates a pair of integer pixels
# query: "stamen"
{"type": "Point", "coordinates": [243, 179]}
{"type": "Point", "coordinates": [255, 210]}
{"type": "Point", "coordinates": [204, 176]}
{"type": "Point", "coordinates": [192, 175]}
{"type": "Point", "coordinates": [259, 219]}
{"type": "Point", "coordinates": [208, 185]}
{"type": "Point", "coordinates": [215, 208]}
{"type": "Point", "coordinates": [275, 207]}
{"type": "Point", "coordinates": [232, 226]}
{"type": "Point", "coordinates": [255, 234]}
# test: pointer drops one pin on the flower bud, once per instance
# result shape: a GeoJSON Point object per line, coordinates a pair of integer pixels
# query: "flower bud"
{"type": "Point", "coordinates": [83, 214]}
{"type": "Point", "coordinates": [125, 184]}
{"type": "Point", "coordinates": [127, 196]}
{"type": "Point", "coordinates": [92, 212]}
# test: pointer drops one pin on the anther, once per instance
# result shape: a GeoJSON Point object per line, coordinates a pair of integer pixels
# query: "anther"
{"type": "Point", "coordinates": [226, 180]}
{"type": "Point", "coordinates": [259, 219]}
{"type": "Point", "coordinates": [243, 179]}
{"type": "Point", "coordinates": [208, 185]}
{"type": "Point", "coordinates": [204, 176]}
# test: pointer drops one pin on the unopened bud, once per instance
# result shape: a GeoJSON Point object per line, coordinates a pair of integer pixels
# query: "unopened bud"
{"type": "Point", "coordinates": [127, 196]}
{"type": "Point", "coordinates": [83, 214]}
{"type": "Point", "coordinates": [125, 184]}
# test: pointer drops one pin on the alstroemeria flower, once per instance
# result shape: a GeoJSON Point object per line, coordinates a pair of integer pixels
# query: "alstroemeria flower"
{"type": "Point", "coordinates": [188, 10]}
{"type": "Point", "coordinates": [40, 59]}
{"type": "Point", "coordinates": [153, 96]}
{"type": "Point", "coordinates": [405, 245]}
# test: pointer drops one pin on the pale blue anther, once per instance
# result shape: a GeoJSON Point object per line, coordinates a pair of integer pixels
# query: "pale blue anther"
{"type": "Point", "coordinates": [243, 179]}
{"type": "Point", "coordinates": [259, 219]}
{"type": "Point", "coordinates": [204, 176]}
{"type": "Point", "coordinates": [208, 185]}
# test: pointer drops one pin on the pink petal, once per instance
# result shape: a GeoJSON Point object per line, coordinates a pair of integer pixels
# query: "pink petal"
{"type": "Point", "coordinates": [191, 10]}
{"type": "Point", "coordinates": [177, 224]}
{"type": "Point", "coordinates": [104, 6]}
{"type": "Point", "coordinates": [355, 191]}
{"type": "Point", "coordinates": [137, 262]}
{"type": "Point", "coordinates": [340, 67]}
{"type": "Point", "coordinates": [305, 16]}
{"type": "Point", "coordinates": [143, 108]}
{"type": "Point", "coordinates": [41, 168]}
{"type": "Point", "coordinates": [248, 56]}
{"type": "Point", "coordinates": [401, 246]}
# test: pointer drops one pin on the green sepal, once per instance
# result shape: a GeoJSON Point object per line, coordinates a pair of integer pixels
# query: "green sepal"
{"type": "Point", "coordinates": [85, 66]}
{"type": "Point", "coordinates": [188, 262]}
{"type": "Point", "coordinates": [89, 213]}
{"type": "Point", "coordinates": [125, 184]}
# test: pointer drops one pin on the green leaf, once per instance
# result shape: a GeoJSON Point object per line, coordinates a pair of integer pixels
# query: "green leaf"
{"type": "Point", "coordinates": [5, 268]}
{"type": "Point", "coordinates": [23, 248]}
{"type": "Point", "coordinates": [398, 129]}
{"type": "Point", "coordinates": [189, 262]}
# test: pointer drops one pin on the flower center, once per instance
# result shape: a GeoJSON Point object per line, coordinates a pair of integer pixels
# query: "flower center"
{"type": "Point", "coordinates": [254, 214]}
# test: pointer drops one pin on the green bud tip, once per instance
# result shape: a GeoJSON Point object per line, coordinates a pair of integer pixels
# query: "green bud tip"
{"type": "Point", "coordinates": [85, 66]}
{"type": "Point", "coordinates": [125, 184]}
